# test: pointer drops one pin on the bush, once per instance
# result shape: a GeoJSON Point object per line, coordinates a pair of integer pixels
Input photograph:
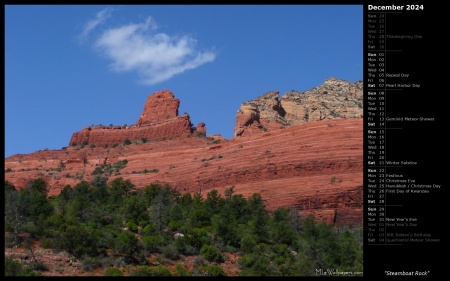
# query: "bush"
{"type": "Point", "coordinates": [248, 243]}
{"type": "Point", "coordinates": [111, 271]}
{"type": "Point", "coordinates": [12, 267]}
{"type": "Point", "coordinates": [142, 271]}
{"type": "Point", "coordinates": [171, 252]}
{"type": "Point", "coordinates": [15, 268]}
{"type": "Point", "coordinates": [153, 243]}
{"type": "Point", "coordinates": [90, 263]}
{"type": "Point", "coordinates": [211, 253]}
{"type": "Point", "coordinates": [214, 270]}
{"type": "Point", "coordinates": [161, 271]}
{"type": "Point", "coordinates": [126, 142]}
{"type": "Point", "coordinates": [199, 261]}
{"type": "Point", "coordinates": [182, 271]}
{"type": "Point", "coordinates": [132, 226]}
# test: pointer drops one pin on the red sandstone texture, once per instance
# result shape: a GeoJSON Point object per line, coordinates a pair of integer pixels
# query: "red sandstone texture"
{"type": "Point", "coordinates": [314, 167]}
{"type": "Point", "coordinates": [159, 106]}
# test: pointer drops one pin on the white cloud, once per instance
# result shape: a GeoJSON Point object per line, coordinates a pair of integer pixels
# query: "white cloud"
{"type": "Point", "coordinates": [155, 56]}
{"type": "Point", "coordinates": [100, 18]}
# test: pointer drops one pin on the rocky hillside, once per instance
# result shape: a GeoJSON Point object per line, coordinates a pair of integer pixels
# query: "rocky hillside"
{"type": "Point", "coordinates": [335, 99]}
{"type": "Point", "coordinates": [315, 167]}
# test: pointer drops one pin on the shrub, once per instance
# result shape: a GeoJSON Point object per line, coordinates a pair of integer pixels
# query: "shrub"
{"type": "Point", "coordinates": [161, 271]}
{"type": "Point", "coordinates": [126, 142]}
{"type": "Point", "coordinates": [171, 252]}
{"type": "Point", "coordinates": [111, 271]}
{"type": "Point", "coordinates": [153, 243]}
{"type": "Point", "coordinates": [132, 226]}
{"type": "Point", "coordinates": [182, 271]}
{"type": "Point", "coordinates": [211, 253]}
{"type": "Point", "coordinates": [142, 271]}
{"type": "Point", "coordinates": [214, 270]}
{"type": "Point", "coordinates": [15, 268]}
{"type": "Point", "coordinates": [90, 263]}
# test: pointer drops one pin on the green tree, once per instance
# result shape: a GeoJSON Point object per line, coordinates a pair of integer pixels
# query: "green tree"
{"type": "Point", "coordinates": [120, 188]}
{"type": "Point", "coordinates": [199, 217]}
{"type": "Point", "coordinates": [38, 185]}
{"type": "Point", "coordinates": [213, 202]}
{"type": "Point", "coordinates": [135, 208]}
{"type": "Point", "coordinates": [225, 226]}
{"type": "Point", "coordinates": [14, 212]}
{"type": "Point", "coordinates": [127, 243]}
{"type": "Point", "coordinates": [34, 207]}
{"type": "Point", "coordinates": [79, 239]}
{"type": "Point", "coordinates": [281, 230]}
{"type": "Point", "coordinates": [260, 217]}
{"type": "Point", "coordinates": [64, 198]}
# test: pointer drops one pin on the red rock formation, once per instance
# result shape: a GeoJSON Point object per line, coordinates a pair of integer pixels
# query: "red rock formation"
{"type": "Point", "coordinates": [159, 120]}
{"type": "Point", "coordinates": [159, 106]}
{"type": "Point", "coordinates": [315, 167]}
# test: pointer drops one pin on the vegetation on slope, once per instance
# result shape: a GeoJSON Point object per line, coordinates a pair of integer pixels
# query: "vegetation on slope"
{"type": "Point", "coordinates": [115, 226]}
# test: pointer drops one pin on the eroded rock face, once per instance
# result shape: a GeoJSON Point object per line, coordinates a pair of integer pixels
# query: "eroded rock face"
{"type": "Point", "coordinates": [159, 106]}
{"type": "Point", "coordinates": [334, 99]}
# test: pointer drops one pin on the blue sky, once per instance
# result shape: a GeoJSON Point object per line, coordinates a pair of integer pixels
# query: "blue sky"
{"type": "Point", "coordinates": [72, 66]}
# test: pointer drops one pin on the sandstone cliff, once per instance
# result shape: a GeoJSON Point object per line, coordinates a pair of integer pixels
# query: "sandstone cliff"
{"type": "Point", "coordinates": [314, 167]}
{"type": "Point", "coordinates": [334, 99]}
